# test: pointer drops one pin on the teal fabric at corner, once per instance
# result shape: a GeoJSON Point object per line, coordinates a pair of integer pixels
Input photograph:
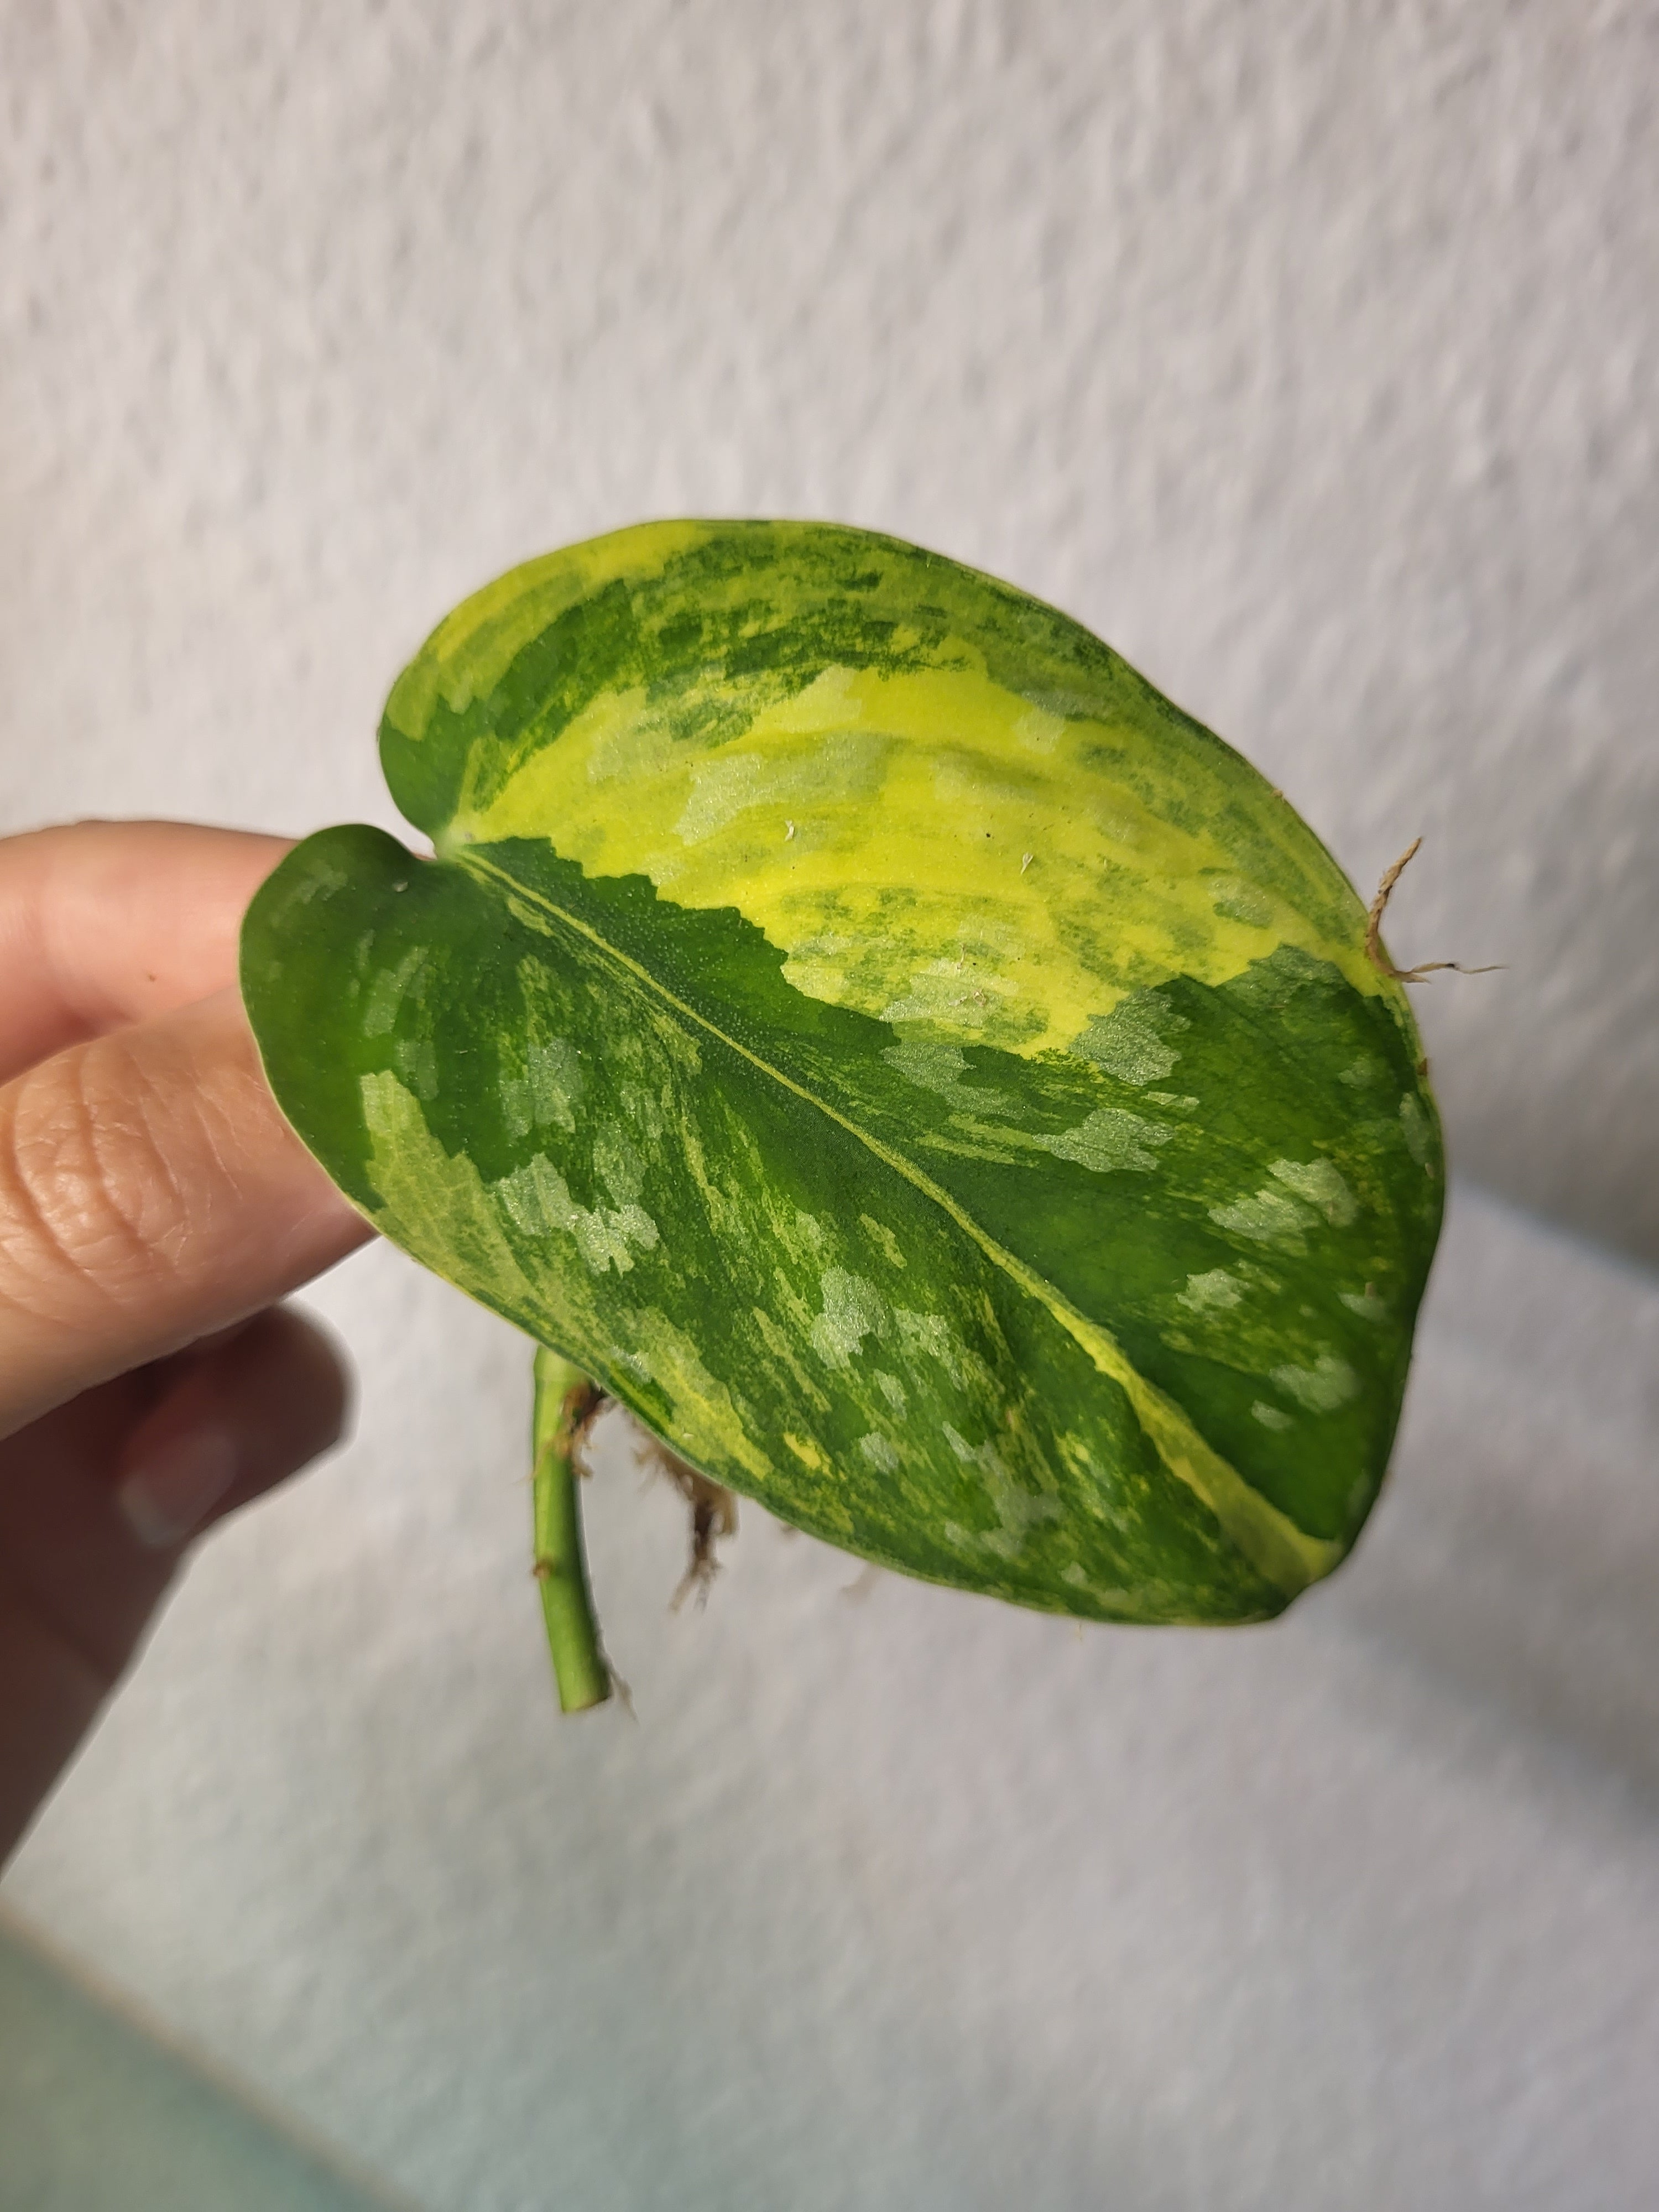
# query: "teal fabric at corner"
{"type": "Point", "coordinates": [95, 2117]}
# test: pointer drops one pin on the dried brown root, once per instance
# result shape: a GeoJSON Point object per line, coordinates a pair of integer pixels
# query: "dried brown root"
{"type": "Point", "coordinates": [583, 1404]}
{"type": "Point", "coordinates": [1374, 952]}
{"type": "Point", "coordinates": [620, 1690]}
{"type": "Point", "coordinates": [714, 1516]}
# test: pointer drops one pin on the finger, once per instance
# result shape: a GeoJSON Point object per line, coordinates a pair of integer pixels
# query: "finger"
{"type": "Point", "coordinates": [75, 1591]}
{"type": "Point", "coordinates": [259, 1405]}
{"type": "Point", "coordinates": [150, 1191]}
{"type": "Point", "coordinates": [103, 923]}
{"type": "Point", "coordinates": [78, 1581]}
{"type": "Point", "coordinates": [85, 1556]}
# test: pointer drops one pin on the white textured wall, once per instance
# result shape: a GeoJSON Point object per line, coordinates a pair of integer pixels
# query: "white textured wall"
{"type": "Point", "coordinates": [1306, 351]}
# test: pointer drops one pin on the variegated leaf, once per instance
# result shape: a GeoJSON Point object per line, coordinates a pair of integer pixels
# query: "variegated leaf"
{"type": "Point", "coordinates": [850, 1014]}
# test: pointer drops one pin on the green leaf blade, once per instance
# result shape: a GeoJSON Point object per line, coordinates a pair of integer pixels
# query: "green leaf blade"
{"type": "Point", "coordinates": [1053, 1231]}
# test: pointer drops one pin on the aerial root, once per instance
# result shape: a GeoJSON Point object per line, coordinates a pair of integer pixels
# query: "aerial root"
{"type": "Point", "coordinates": [583, 1404]}
{"type": "Point", "coordinates": [714, 1516]}
{"type": "Point", "coordinates": [714, 1508]}
{"type": "Point", "coordinates": [1374, 952]}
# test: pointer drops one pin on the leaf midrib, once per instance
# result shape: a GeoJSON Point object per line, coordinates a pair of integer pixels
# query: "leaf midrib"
{"type": "Point", "coordinates": [1267, 1538]}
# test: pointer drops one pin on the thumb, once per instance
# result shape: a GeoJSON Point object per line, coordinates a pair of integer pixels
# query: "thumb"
{"type": "Point", "coordinates": [150, 1191]}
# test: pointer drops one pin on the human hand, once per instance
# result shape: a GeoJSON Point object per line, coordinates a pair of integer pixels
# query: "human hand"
{"type": "Point", "coordinates": [154, 1204]}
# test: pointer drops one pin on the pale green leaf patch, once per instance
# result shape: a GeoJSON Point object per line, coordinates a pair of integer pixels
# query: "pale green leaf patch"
{"type": "Point", "coordinates": [852, 1310]}
{"type": "Point", "coordinates": [1321, 1185]}
{"type": "Point", "coordinates": [1135, 1041]}
{"type": "Point", "coordinates": [938, 1068]}
{"type": "Point", "coordinates": [1110, 1139]}
{"type": "Point", "coordinates": [1328, 1383]}
{"type": "Point", "coordinates": [1267, 1217]}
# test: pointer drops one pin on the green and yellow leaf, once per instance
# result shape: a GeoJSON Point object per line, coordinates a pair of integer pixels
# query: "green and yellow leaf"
{"type": "Point", "coordinates": [938, 1086]}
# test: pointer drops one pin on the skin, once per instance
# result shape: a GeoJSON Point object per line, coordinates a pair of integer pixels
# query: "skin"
{"type": "Point", "coordinates": [154, 1208]}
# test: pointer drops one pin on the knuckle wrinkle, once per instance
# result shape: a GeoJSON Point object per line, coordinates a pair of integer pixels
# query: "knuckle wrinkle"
{"type": "Point", "coordinates": [88, 1197]}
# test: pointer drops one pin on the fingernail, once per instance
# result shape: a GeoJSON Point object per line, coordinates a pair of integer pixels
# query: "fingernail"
{"type": "Point", "coordinates": [173, 1489]}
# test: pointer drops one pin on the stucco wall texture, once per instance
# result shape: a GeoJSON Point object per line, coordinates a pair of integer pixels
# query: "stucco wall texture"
{"type": "Point", "coordinates": [1307, 352]}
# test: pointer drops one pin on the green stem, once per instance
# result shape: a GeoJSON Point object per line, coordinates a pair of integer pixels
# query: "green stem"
{"type": "Point", "coordinates": [564, 1399]}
